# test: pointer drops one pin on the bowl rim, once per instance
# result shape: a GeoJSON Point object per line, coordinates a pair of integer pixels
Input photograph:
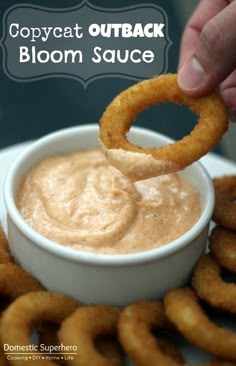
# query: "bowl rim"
{"type": "Point", "coordinates": [76, 255]}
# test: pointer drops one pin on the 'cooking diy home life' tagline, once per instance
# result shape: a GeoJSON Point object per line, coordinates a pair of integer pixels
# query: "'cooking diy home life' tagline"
{"type": "Point", "coordinates": [84, 42]}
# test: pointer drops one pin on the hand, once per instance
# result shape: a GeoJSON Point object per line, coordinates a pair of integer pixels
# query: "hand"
{"type": "Point", "coordinates": [208, 52]}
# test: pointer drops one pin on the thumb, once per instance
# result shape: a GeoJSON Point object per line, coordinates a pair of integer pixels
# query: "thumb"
{"type": "Point", "coordinates": [228, 91]}
{"type": "Point", "coordinates": [214, 57]}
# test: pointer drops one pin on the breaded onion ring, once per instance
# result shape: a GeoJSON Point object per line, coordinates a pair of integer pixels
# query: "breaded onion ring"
{"type": "Point", "coordinates": [106, 345]}
{"type": "Point", "coordinates": [225, 207]}
{"type": "Point", "coordinates": [83, 327]}
{"type": "Point", "coordinates": [27, 311]}
{"type": "Point", "coordinates": [14, 281]}
{"type": "Point", "coordinates": [111, 349]}
{"type": "Point", "coordinates": [3, 359]}
{"type": "Point", "coordinates": [183, 309]}
{"type": "Point", "coordinates": [210, 287]}
{"type": "Point", "coordinates": [222, 243]}
{"type": "Point", "coordinates": [5, 255]}
{"type": "Point", "coordinates": [139, 163]}
{"type": "Point", "coordinates": [135, 325]}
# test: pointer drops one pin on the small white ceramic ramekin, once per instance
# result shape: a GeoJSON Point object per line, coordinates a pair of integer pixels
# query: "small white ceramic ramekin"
{"type": "Point", "coordinates": [97, 278]}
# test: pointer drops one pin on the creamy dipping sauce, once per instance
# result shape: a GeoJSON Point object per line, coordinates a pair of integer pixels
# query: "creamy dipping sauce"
{"type": "Point", "coordinates": [81, 201]}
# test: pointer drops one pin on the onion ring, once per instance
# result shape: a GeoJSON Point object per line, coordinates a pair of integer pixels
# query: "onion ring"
{"type": "Point", "coordinates": [5, 255]}
{"type": "Point", "coordinates": [110, 348]}
{"type": "Point", "coordinates": [14, 281]}
{"type": "Point", "coordinates": [25, 312]}
{"type": "Point", "coordinates": [210, 287]}
{"type": "Point", "coordinates": [222, 243]}
{"type": "Point", "coordinates": [116, 120]}
{"type": "Point", "coordinates": [83, 327]}
{"type": "Point", "coordinates": [135, 324]}
{"type": "Point", "coordinates": [225, 208]}
{"type": "Point", "coordinates": [106, 345]}
{"type": "Point", "coordinates": [182, 308]}
{"type": "Point", "coordinates": [3, 359]}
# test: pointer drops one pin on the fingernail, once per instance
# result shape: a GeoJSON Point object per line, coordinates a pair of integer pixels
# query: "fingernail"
{"type": "Point", "coordinates": [191, 76]}
{"type": "Point", "coordinates": [232, 115]}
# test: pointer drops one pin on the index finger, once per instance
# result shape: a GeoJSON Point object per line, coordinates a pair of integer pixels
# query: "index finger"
{"type": "Point", "coordinates": [206, 10]}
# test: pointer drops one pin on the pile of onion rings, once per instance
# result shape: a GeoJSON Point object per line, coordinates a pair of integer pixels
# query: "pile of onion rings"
{"type": "Point", "coordinates": [104, 334]}
{"type": "Point", "coordinates": [149, 162]}
{"type": "Point", "coordinates": [184, 307]}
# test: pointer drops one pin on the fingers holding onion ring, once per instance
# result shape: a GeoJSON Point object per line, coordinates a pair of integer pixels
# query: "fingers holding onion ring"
{"type": "Point", "coordinates": [139, 163]}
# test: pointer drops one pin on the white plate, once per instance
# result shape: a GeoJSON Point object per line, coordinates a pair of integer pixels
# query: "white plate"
{"type": "Point", "coordinates": [215, 165]}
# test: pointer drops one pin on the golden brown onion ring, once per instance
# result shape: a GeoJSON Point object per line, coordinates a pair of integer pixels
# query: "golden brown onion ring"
{"type": "Point", "coordinates": [110, 348]}
{"type": "Point", "coordinates": [14, 281]}
{"type": "Point", "coordinates": [5, 255]}
{"type": "Point", "coordinates": [135, 325]}
{"type": "Point", "coordinates": [182, 308]}
{"type": "Point", "coordinates": [139, 163]}
{"type": "Point", "coordinates": [223, 246]}
{"type": "Point", "coordinates": [209, 285]}
{"type": "Point", "coordinates": [83, 327]}
{"type": "Point", "coordinates": [225, 207]}
{"type": "Point", "coordinates": [26, 312]}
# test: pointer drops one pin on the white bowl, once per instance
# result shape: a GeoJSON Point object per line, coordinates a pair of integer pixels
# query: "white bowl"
{"type": "Point", "coordinates": [113, 279]}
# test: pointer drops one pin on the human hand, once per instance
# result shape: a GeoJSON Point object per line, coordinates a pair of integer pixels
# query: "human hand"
{"type": "Point", "coordinates": [208, 52]}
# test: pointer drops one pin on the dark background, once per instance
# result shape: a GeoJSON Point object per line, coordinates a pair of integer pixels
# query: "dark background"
{"type": "Point", "coordinates": [32, 109]}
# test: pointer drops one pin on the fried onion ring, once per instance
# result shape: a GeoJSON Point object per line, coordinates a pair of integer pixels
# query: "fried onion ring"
{"type": "Point", "coordinates": [135, 325]}
{"type": "Point", "coordinates": [210, 287]}
{"type": "Point", "coordinates": [183, 309]}
{"type": "Point", "coordinates": [3, 359]}
{"type": "Point", "coordinates": [83, 327]}
{"type": "Point", "coordinates": [14, 281]}
{"type": "Point", "coordinates": [5, 255]}
{"type": "Point", "coordinates": [139, 163]}
{"type": "Point", "coordinates": [27, 311]}
{"type": "Point", "coordinates": [108, 346]}
{"type": "Point", "coordinates": [225, 207]}
{"type": "Point", "coordinates": [222, 243]}
{"type": "Point", "coordinates": [111, 349]}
